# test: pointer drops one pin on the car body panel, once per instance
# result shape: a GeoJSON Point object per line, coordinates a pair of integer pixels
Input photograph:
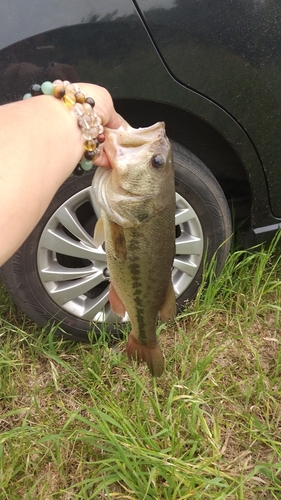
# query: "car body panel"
{"type": "Point", "coordinates": [229, 52]}
{"type": "Point", "coordinates": [122, 46]}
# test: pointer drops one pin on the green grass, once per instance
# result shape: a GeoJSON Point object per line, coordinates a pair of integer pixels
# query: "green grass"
{"type": "Point", "coordinates": [82, 422]}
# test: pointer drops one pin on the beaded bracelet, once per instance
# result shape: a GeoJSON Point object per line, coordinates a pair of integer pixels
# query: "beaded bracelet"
{"type": "Point", "coordinates": [83, 107]}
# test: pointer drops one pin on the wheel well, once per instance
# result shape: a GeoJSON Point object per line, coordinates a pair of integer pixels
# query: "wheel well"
{"type": "Point", "coordinates": [202, 140]}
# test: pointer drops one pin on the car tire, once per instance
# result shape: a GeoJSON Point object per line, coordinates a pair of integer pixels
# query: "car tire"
{"type": "Point", "coordinates": [204, 196]}
{"type": "Point", "coordinates": [52, 276]}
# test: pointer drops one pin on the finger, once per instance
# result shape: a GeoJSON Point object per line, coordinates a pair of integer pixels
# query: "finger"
{"type": "Point", "coordinates": [114, 122]}
{"type": "Point", "coordinates": [102, 160]}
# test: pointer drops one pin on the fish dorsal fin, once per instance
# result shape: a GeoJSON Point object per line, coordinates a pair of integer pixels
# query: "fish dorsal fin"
{"type": "Point", "coordinates": [99, 233]}
{"type": "Point", "coordinates": [169, 307]}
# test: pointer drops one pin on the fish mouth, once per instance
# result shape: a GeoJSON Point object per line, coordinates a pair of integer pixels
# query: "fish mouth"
{"type": "Point", "coordinates": [128, 137]}
{"type": "Point", "coordinates": [133, 137]}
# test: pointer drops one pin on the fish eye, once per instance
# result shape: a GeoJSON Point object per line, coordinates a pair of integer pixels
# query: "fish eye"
{"type": "Point", "coordinates": [157, 161]}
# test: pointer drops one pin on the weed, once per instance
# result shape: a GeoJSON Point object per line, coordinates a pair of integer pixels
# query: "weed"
{"type": "Point", "coordinates": [82, 422]}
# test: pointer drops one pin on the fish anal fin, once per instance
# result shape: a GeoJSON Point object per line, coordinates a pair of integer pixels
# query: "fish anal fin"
{"type": "Point", "coordinates": [169, 308]}
{"type": "Point", "coordinates": [150, 353]}
{"type": "Point", "coordinates": [116, 303]}
{"type": "Point", "coordinates": [119, 241]}
{"type": "Point", "coordinates": [99, 233]}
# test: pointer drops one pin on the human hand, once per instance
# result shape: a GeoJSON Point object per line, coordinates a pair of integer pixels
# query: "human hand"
{"type": "Point", "coordinates": [104, 108]}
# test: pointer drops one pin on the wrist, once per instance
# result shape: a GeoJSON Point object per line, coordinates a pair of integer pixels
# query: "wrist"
{"type": "Point", "coordinates": [82, 107]}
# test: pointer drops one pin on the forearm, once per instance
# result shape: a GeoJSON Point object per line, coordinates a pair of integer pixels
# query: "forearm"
{"type": "Point", "coordinates": [41, 144]}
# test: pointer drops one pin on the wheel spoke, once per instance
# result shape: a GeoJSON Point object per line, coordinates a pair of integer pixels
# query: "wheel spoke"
{"type": "Point", "coordinates": [184, 215]}
{"type": "Point", "coordinates": [188, 245]}
{"type": "Point", "coordinates": [94, 309]}
{"type": "Point", "coordinates": [68, 290]}
{"type": "Point", "coordinates": [104, 313]}
{"type": "Point", "coordinates": [56, 272]}
{"type": "Point", "coordinates": [70, 221]}
{"type": "Point", "coordinates": [57, 241]}
{"type": "Point", "coordinates": [185, 266]}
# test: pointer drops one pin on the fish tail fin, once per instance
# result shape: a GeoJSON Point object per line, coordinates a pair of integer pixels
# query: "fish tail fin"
{"type": "Point", "coordinates": [150, 353]}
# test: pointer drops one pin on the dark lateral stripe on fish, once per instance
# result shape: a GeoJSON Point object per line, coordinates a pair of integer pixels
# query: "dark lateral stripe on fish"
{"type": "Point", "coordinates": [118, 238]}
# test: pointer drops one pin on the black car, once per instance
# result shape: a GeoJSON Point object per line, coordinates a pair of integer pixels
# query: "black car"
{"type": "Point", "coordinates": [211, 70]}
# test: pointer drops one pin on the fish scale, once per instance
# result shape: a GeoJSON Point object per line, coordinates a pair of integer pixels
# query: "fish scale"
{"type": "Point", "coordinates": [141, 283]}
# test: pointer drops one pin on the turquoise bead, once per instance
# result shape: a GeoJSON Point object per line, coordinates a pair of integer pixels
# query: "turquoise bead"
{"type": "Point", "coordinates": [47, 88]}
{"type": "Point", "coordinates": [86, 164]}
{"type": "Point", "coordinates": [27, 96]}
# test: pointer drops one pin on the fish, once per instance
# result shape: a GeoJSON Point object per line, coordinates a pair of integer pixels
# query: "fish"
{"type": "Point", "coordinates": [137, 200]}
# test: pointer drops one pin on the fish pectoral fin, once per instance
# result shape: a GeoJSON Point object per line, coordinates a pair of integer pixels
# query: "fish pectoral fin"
{"type": "Point", "coordinates": [119, 241]}
{"type": "Point", "coordinates": [99, 233]}
{"type": "Point", "coordinates": [169, 307]}
{"type": "Point", "coordinates": [116, 303]}
{"type": "Point", "coordinates": [150, 353]}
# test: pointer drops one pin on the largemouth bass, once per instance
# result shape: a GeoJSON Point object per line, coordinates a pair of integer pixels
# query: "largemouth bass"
{"type": "Point", "coordinates": [137, 198]}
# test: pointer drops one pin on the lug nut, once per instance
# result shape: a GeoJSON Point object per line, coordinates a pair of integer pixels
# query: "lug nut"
{"type": "Point", "coordinates": [106, 273]}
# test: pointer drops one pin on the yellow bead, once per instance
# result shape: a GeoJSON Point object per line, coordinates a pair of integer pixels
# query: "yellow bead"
{"type": "Point", "coordinates": [68, 101]}
{"type": "Point", "coordinates": [90, 145]}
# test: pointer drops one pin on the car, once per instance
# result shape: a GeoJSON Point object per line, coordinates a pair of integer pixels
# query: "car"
{"type": "Point", "coordinates": [211, 70]}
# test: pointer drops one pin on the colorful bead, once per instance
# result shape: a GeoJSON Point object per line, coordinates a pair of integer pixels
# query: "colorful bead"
{"type": "Point", "coordinates": [90, 145]}
{"type": "Point", "coordinates": [90, 155]}
{"type": "Point", "coordinates": [59, 91]}
{"type": "Point", "coordinates": [70, 88]}
{"type": "Point", "coordinates": [86, 164]}
{"type": "Point", "coordinates": [78, 109]}
{"type": "Point", "coordinates": [35, 89]}
{"type": "Point", "coordinates": [88, 108]}
{"type": "Point", "coordinates": [80, 97]}
{"type": "Point", "coordinates": [68, 101]}
{"type": "Point", "coordinates": [89, 133]}
{"type": "Point", "coordinates": [90, 101]}
{"type": "Point", "coordinates": [47, 88]}
{"type": "Point", "coordinates": [84, 121]}
{"type": "Point", "coordinates": [57, 82]}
